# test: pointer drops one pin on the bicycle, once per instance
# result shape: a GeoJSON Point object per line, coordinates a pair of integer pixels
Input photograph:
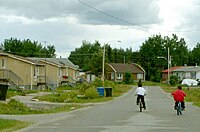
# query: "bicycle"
{"type": "Point", "coordinates": [179, 109]}
{"type": "Point", "coordinates": [140, 105]}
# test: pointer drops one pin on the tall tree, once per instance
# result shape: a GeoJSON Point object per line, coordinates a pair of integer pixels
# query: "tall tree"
{"type": "Point", "coordinates": [194, 55]}
{"type": "Point", "coordinates": [27, 48]}
{"type": "Point", "coordinates": [157, 46]}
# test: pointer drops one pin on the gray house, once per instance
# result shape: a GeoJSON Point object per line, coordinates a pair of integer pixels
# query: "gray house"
{"type": "Point", "coordinates": [187, 72]}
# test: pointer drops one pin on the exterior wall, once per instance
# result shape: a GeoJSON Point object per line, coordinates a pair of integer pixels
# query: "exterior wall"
{"type": "Point", "coordinates": [72, 75]}
{"type": "Point", "coordinates": [24, 70]}
{"type": "Point", "coordinates": [198, 75]}
{"type": "Point", "coordinates": [134, 76]}
{"type": "Point", "coordinates": [52, 74]}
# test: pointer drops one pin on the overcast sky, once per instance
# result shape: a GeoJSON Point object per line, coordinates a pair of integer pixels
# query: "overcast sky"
{"type": "Point", "coordinates": [66, 23]}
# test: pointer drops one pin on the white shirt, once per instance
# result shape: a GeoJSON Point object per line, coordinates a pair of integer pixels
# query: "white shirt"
{"type": "Point", "coordinates": [140, 91]}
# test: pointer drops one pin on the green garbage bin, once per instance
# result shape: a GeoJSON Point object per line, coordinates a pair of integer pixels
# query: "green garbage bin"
{"type": "Point", "coordinates": [108, 91]}
{"type": "Point", "coordinates": [3, 91]}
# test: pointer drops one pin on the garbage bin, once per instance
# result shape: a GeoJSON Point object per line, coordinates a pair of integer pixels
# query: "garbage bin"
{"type": "Point", "coordinates": [3, 91]}
{"type": "Point", "coordinates": [108, 92]}
{"type": "Point", "coordinates": [100, 91]}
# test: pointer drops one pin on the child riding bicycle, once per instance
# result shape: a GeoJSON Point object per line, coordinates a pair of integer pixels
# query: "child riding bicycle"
{"type": "Point", "coordinates": [179, 97]}
{"type": "Point", "coordinates": [140, 92]}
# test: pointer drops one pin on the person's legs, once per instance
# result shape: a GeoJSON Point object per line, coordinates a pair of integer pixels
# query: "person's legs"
{"type": "Point", "coordinates": [183, 105]}
{"type": "Point", "coordinates": [176, 105]}
{"type": "Point", "coordinates": [138, 98]}
{"type": "Point", "coordinates": [143, 102]}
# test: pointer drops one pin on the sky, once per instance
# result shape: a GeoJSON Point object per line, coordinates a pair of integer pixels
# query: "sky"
{"type": "Point", "coordinates": [66, 23]}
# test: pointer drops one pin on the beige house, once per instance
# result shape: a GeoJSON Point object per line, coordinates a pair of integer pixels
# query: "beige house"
{"type": "Point", "coordinates": [20, 71]}
{"type": "Point", "coordinates": [59, 70]}
{"type": "Point", "coordinates": [34, 73]}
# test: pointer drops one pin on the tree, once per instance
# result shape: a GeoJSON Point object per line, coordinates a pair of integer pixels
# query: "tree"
{"type": "Point", "coordinates": [27, 48]}
{"type": "Point", "coordinates": [84, 56]}
{"type": "Point", "coordinates": [194, 55]}
{"type": "Point", "coordinates": [157, 46]}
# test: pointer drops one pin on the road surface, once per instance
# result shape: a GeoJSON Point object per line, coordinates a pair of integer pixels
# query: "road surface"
{"type": "Point", "coordinates": [122, 115]}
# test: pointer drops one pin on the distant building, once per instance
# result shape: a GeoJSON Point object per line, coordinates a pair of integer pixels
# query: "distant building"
{"type": "Point", "coordinates": [116, 71]}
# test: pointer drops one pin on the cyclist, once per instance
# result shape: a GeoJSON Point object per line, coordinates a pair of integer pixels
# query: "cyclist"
{"type": "Point", "coordinates": [179, 97]}
{"type": "Point", "coordinates": [140, 92]}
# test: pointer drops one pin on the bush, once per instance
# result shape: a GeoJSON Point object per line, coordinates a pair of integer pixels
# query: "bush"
{"type": "Point", "coordinates": [128, 79]}
{"type": "Point", "coordinates": [91, 93]}
{"type": "Point", "coordinates": [83, 87]}
{"type": "Point", "coordinates": [97, 82]}
{"type": "Point", "coordinates": [173, 80]}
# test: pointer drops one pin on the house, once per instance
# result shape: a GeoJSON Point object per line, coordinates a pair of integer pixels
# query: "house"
{"type": "Point", "coordinates": [187, 72]}
{"type": "Point", "coordinates": [165, 72]}
{"type": "Point", "coordinates": [69, 70]}
{"type": "Point", "coordinates": [58, 71]}
{"type": "Point", "coordinates": [36, 73]}
{"type": "Point", "coordinates": [20, 71]}
{"type": "Point", "coordinates": [116, 71]}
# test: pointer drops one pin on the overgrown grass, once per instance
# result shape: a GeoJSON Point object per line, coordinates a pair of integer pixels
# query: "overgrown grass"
{"type": "Point", "coordinates": [193, 93]}
{"type": "Point", "coordinates": [17, 108]}
{"type": "Point", "coordinates": [12, 125]}
{"type": "Point", "coordinates": [89, 93]}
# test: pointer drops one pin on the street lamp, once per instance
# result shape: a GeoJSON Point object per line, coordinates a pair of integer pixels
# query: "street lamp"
{"type": "Point", "coordinates": [103, 69]}
{"type": "Point", "coordinates": [168, 59]}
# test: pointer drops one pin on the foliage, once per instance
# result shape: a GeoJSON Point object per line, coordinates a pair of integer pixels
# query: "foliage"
{"type": "Point", "coordinates": [128, 78]}
{"type": "Point", "coordinates": [28, 48]}
{"type": "Point", "coordinates": [91, 93]}
{"type": "Point", "coordinates": [15, 107]}
{"type": "Point", "coordinates": [11, 125]}
{"type": "Point", "coordinates": [173, 80]}
{"type": "Point", "coordinates": [98, 82]}
{"type": "Point", "coordinates": [193, 94]}
{"type": "Point", "coordinates": [87, 55]}
{"type": "Point", "coordinates": [157, 46]}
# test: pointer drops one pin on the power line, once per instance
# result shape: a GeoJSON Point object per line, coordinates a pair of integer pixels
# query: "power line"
{"type": "Point", "coordinates": [131, 23]}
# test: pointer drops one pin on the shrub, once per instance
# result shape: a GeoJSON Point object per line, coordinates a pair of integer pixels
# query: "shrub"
{"type": "Point", "coordinates": [173, 80]}
{"type": "Point", "coordinates": [91, 93]}
{"type": "Point", "coordinates": [83, 87]}
{"type": "Point", "coordinates": [128, 78]}
{"type": "Point", "coordinates": [97, 82]}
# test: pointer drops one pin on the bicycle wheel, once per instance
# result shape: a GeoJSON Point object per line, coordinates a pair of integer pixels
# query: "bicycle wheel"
{"type": "Point", "coordinates": [179, 109]}
{"type": "Point", "coordinates": [140, 105]}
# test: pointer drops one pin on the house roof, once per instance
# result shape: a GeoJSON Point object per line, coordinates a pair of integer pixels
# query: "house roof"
{"type": "Point", "coordinates": [58, 62]}
{"type": "Point", "coordinates": [24, 59]}
{"type": "Point", "coordinates": [122, 67]}
{"type": "Point", "coordinates": [171, 69]}
{"type": "Point", "coordinates": [187, 69]}
{"type": "Point", "coordinates": [63, 61]}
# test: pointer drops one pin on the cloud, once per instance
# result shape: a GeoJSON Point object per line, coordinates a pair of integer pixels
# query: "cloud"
{"type": "Point", "coordinates": [66, 23]}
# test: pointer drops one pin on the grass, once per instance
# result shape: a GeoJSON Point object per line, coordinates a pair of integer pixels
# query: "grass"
{"type": "Point", "coordinates": [11, 125]}
{"type": "Point", "coordinates": [91, 95]}
{"type": "Point", "coordinates": [17, 108]}
{"type": "Point", "coordinates": [193, 93]}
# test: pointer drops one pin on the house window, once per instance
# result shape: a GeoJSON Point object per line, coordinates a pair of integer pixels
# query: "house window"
{"type": "Point", "coordinates": [139, 76]}
{"type": "Point", "coordinates": [119, 76]}
{"type": "Point", "coordinates": [3, 63]}
{"type": "Point", "coordinates": [112, 76]}
{"type": "Point", "coordinates": [36, 72]}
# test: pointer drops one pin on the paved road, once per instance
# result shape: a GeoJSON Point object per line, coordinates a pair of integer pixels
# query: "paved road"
{"type": "Point", "coordinates": [122, 115]}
